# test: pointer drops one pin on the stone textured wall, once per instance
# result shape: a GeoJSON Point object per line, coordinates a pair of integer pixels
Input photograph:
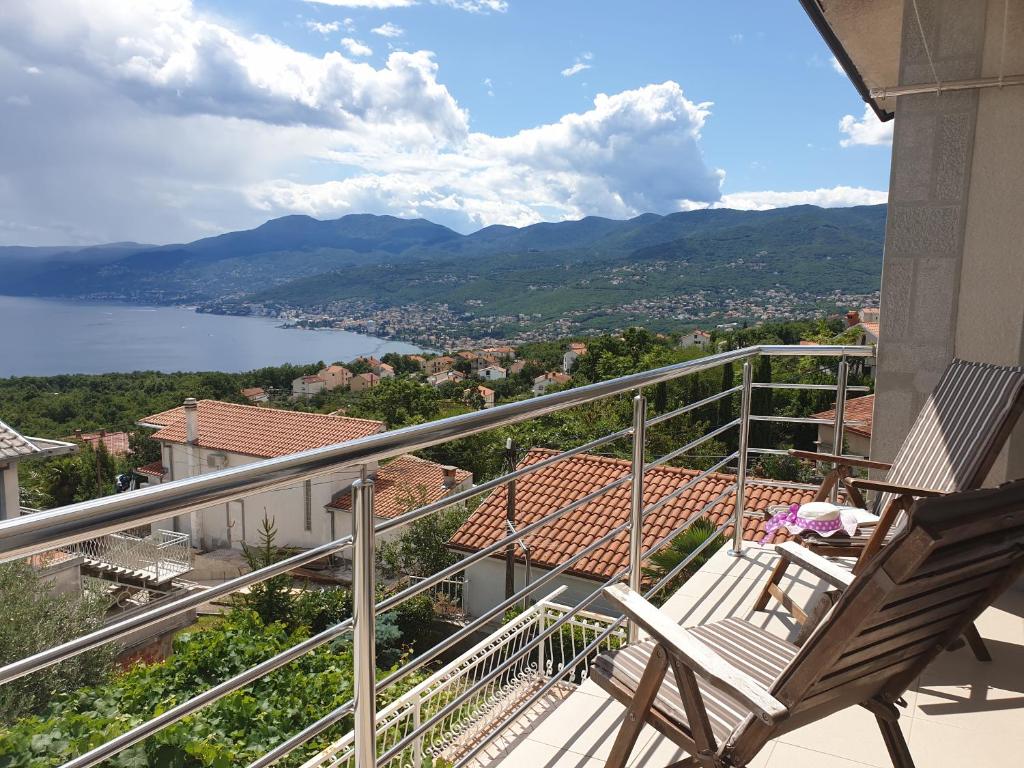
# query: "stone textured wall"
{"type": "Point", "coordinates": [928, 201]}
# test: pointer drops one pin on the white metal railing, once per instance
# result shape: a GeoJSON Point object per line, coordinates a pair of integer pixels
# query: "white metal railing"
{"type": "Point", "coordinates": [492, 696]}
{"type": "Point", "coordinates": [159, 557]}
{"type": "Point", "coordinates": [450, 596]}
{"type": "Point", "coordinates": [87, 520]}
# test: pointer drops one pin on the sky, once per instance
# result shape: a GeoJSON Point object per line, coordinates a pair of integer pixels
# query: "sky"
{"type": "Point", "coordinates": [163, 121]}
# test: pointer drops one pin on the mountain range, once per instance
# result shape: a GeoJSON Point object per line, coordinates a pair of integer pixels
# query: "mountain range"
{"type": "Point", "coordinates": [543, 269]}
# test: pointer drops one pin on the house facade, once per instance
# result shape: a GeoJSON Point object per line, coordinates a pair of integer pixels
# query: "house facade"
{"type": "Point", "coordinates": [445, 377]}
{"type": "Point", "coordinates": [545, 381]}
{"type": "Point", "coordinates": [696, 338]}
{"type": "Point", "coordinates": [206, 436]}
{"type": "Point", "coordinates": [438, 364]}
{"type": "Point", "coordinates": [364, 381]}
{"type": "Point", "coordinates": [492, 373]}
{"type": "Point", "coordinates": [307, 386]}
{"type": "Point", "coordinates": [572, 354]}
{"type": "Point", "coordinates": [547, 490]}
{"type": "Point", "coordinates": [336, 377]}
{"type": "Point", "coordinates": [858, 416]}
{"type": "Point", "coordinates": [15, 448]}
{"type": "Point", "coordinates": [255, 395]}
{"type": "Point", "coordinates": [486, 394]}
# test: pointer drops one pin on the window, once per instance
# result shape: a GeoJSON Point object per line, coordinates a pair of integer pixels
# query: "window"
{"type": "Point", "coordinates": [307, 492]}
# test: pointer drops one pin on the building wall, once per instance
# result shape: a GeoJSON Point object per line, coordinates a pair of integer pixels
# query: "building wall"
{"type": "Point", "coordinates": [953, 274]}
{"type": "Point", "coordinates": [486, 587]}
{"type": "Point", "coordinates": [856, 444]}
{"type": "Point", "coordinates": [229, 524]}
{"type": "Point", "coordinates": [10, 502]}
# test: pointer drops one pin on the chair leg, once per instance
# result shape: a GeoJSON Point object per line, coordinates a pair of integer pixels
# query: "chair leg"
{"type": "Point", "coordinates": [779, 571]}
{"type": "Point", "coordinates": [899, 752]}
{"type": "Point", "coordinates": [974, 639]}
{"type": "Point", "coordinates": [633, 723]}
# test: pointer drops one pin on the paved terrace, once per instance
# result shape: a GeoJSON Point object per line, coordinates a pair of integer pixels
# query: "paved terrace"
{"type": "Point", "coordinates": [961, 712]}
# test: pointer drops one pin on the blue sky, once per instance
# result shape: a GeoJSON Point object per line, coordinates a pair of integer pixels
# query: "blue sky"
{"type": "Point", "coordinates": [178, 118]}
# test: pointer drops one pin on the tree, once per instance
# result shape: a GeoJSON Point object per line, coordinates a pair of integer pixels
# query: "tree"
{"type": "Point", "coordinates": [422, 549]}
{"type": "Point", "coordinates": [398, 402]}
{"type": "Point", "coordinates": [682, 546]}
{"type": "Point", "coordinates": [272, 599]}
{"type": "Point", "coordinates": [37, 618]}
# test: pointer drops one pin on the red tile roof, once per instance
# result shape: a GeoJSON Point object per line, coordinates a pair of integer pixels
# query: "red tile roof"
{"type": "Point", "coordinates": [403, 484]}
{"type": "Point", "coordinates": [116, 443]}
{"type": "Point", "coordinates": [155, 468]}
{"type": "Point", "coordinates": [871, 328]}
{"type": "Point", "coordinates": [547, 490]}
{"type": "Point", "coordinates": [251, 392]}
{"type": "Point", "coordinates": [263, 432]}
{"type": "Point", "coordinates": [857, 409]}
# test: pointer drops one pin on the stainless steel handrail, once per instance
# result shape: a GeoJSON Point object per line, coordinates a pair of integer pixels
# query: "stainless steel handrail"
{"type": "Point", "coordinates": [31, 534]}
{"type": "Point", "coordinates": [81, 521]}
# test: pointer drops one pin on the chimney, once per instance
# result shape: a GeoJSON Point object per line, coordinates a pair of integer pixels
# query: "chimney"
{"type": "Point", "coordinates": [449, 476]}
{"type": "Point", "coordinates": [852, 318]}
{"type": "Point", "coordinates": [78, 434]}
{"type": "Point", "coordinates": [103, 433]}
{"type": "Point", "coordinates": [191, 421]}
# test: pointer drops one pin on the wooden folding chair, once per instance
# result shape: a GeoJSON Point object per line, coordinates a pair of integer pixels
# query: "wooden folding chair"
{"type": "Point", "coordinates": [951, 447]}
{"type": "Point", "coordinates": [733, 686]}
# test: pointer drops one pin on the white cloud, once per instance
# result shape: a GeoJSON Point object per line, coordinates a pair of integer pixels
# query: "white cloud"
{"type": "Point", "coordinates": [387, 29]}
{"type": "Point", "coordinates": [736, 38]}
{"type": "Point", "coordinates": [349, 24]}
{"type": "Point", "coordinates": [833, 197]}
{"type": "Point", "coordinates": [173, 59]}
{"type": "Point", "coordinates": [33, 70]}
{"type": "Point", "coordinates": [869, 130]}
{"type": "Point", "coordinates": [324, 28]}
{"type": "Point", "coordinates": [580, 65]}
{"type": "Point", "coordinates": [472, 6]}
{"type": "Point", "coordinates": [632, 152]}
{"type": "Point", "coordinates": [375, 4]}
{"type": "Point", "coordinates": [489, 85]}
{"type": "Point", "coordinates": [356, 47]}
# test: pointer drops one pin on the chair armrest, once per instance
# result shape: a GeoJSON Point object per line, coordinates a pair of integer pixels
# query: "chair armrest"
{"type": "Point", "coordinates": [698, 657]}
{"type": "Point", "coordinates": [831, 458]}
{"type": "Point", "coordinates": [862, 483]}
{"type": "Point", "coordinates": [823, 568]}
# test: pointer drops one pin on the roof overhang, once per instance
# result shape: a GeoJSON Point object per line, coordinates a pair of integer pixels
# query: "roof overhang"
{"type": "Point", "coordinates": [46, 448]}
{"type": "Point", "coordinates": [865, 38]}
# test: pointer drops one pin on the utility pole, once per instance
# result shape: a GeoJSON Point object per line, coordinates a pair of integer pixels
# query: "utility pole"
{"type": "Point", "coordinates": [511, 459]}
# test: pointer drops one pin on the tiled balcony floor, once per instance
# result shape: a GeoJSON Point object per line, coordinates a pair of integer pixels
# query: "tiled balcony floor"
{"type": "Point", "coordinates": [961, 712]}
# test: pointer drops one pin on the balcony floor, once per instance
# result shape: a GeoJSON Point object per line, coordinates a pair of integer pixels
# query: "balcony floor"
{"type": "Point", "coordinates": [961, 712]}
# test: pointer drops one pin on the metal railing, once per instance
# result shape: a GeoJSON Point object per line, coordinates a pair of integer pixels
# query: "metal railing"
{"type": "Point", "coordinates": [450, 596]}
{"type": "Point", "coordinates": [69, 526]}
{"type": "Point", "coordinates": [159, 557]}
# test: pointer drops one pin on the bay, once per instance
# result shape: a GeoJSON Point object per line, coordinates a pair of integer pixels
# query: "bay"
{"type": "Point", "coordinates": [42, 337]}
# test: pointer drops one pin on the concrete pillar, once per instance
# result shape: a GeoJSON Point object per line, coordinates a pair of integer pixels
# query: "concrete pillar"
{"type": "Point", "coordinates": [953, 275]}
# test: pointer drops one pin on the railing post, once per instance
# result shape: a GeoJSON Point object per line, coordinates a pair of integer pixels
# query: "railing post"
{"type": "Point", "coordinates": [363, 627]}
{"type": "Point", "coordinates": [417, 745]}
{"type": "Point", "coordinates": [741, 461]}
{"type": "Point", "coordinates": [636, 504]}
{"type": "Point", "coordinates": [837, 427]}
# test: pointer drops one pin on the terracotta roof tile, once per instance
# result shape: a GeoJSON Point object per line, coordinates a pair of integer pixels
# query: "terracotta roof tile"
{"type": "Point", "coordinates": [857, 409]}
{"type": "Point", "coordinates": [116, 443]}
{"type": "Point", "coordinates": [551, 488]}
{"type": "Point", "coordinates": [155, 468]}
{"type": "Point", "coordinates": [263, 432]}
{"type": "Point", "coordinates": [403, 483]}
{"type": "Point", "coordinates": [252, 392]}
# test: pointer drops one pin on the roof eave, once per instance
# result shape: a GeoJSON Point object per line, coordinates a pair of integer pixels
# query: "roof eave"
{"type": "Point", "coordinates": [814, 10]}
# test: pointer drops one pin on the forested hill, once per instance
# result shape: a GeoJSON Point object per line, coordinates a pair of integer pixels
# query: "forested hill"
{"type": "Point", "coordinates": [573, 265]}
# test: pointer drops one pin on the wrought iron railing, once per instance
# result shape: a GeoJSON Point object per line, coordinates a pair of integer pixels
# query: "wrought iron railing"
{"type": "Point", "coordinates": [450, 596]}
{"type": "Point", "coordinates": [158, 557]}
{"type": "Point", "coordinates": [77, 523]}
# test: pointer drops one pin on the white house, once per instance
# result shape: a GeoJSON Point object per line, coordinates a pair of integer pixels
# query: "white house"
{"type": "Point", "coordinates": [307, 386]}
{"type": "Point", "coordinates": [209, 435]}
{"type": "Point", "coordinates": [15, 447]}
{"type": "Point", "coordinates": [572, 354]}
{"type": "Point", "coordinates": [492, 373]}
{"type": "Point", "coordinates": [445, 377]}
{"type": "Point", "coordinates": [545, 381]}
{"type": "Point", "coordinates": [697, 338]}
{"type": "Point", "coordinates": [543, 492]}
{"type": "Point", "coordinates": [486, 394]}
{"type": "Point", "coordinates": [857, 416]}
